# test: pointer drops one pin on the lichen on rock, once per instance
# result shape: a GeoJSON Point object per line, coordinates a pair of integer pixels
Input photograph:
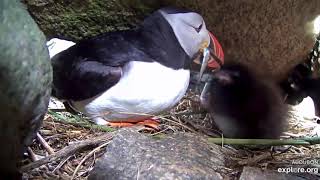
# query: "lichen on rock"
{"type": "Point", "coordinates": [272, 36]}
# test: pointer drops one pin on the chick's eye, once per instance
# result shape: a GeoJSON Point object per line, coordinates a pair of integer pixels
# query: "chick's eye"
{"type": "Point", "coordinates": [198, 29]}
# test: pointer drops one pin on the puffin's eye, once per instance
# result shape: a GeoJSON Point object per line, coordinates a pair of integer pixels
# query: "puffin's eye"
{"type": "Point", "coordinates": [198, 29]}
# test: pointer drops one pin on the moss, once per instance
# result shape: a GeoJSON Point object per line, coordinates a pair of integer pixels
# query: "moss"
{"type": "Point", "coordinates": [274, 40]}
{"type": "Point", "coordinates": [78, 19]}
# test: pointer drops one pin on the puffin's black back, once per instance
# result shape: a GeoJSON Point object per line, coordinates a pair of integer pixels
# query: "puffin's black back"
{"type": "Point", "coordinates": [252, 106]}
{"type": "Point", "coordinates": [94, 65]}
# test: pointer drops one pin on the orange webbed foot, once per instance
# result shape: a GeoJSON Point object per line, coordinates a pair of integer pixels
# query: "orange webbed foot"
{"type": "Point", "coordinates": [148, 123]}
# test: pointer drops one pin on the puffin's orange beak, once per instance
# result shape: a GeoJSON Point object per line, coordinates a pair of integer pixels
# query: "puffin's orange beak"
{"type": "Point", "coordinates": [216, 53]}
{"type": "Point", "coordinates": [212, 56]}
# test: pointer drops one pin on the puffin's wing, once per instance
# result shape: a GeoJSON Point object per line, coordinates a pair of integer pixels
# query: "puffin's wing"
{"type": "Point", "coordinates": [93, 66]}
{"type": "Point", "coordinates": [84, 80]}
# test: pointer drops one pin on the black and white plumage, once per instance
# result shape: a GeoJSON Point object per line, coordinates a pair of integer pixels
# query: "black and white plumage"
{"type": "Point", "coordinates": [119, 75]}
{"type": "Point", "coordinates": [243, 104]}
{"type": "Point", "coordinates": [311, 87]}
{"type": "Point", "coordinates": [302, 82]}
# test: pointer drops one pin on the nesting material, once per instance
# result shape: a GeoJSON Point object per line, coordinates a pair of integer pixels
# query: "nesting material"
{"type": "Point", "coordinates": [61, 129]}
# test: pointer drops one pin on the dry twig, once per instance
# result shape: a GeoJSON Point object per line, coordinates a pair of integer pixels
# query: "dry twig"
{"type": "Point", "coordinates": [256, 159]}
{"type": "Point", "coordinates": [61, 164]}
{"type": "Point", "coordinates": [44, 143]}
{"type": "Point", "coordinates": [87, 156]}
{"type": "Point", "coordinates": [32, 155]}
{"type": "Point", "coordinates": [68, 151]}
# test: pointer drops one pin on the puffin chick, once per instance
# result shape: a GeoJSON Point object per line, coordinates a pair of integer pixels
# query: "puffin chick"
{"type": "Point", "coordinates": [25, 81]}
{"type": "Point", "coordinates": [243, 104]}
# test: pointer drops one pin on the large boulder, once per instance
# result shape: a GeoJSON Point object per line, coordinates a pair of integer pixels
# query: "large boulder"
{"type": "Point", "coordinates": [132, 155]}
{"type": "Point", "coordinates": [25, 81]}
{"type": "Point", "coordinates": [272, 36]}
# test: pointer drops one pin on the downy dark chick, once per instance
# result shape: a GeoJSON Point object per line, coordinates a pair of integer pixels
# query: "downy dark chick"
{"type": "Point", "coordinates": [243, 104]}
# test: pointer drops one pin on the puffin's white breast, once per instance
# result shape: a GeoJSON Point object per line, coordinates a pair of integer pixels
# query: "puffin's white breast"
{"type": "Point", "coordinates": [145, 88]}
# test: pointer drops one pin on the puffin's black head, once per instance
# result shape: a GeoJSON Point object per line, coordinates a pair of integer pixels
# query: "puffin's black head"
{"type": "Point", "coordinates": [189, 29]}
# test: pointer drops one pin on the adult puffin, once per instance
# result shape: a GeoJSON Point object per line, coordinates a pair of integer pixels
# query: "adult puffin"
{"type": "Point", "coordinates": [123, 77]}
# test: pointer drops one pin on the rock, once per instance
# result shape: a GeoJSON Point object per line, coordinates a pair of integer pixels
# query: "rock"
{"type": "Point", "coordinates": [132, 155]}
{"type": "Point", "coordinates": [272, 36]}
{"type": "Point", "coordinates": [78, 19]}
{"type": "Point", "coordinates": [252, 173]}
{"type": "Point", "coordinates": [25, 80]}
